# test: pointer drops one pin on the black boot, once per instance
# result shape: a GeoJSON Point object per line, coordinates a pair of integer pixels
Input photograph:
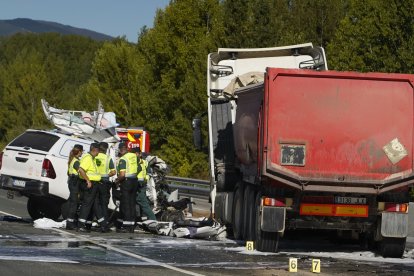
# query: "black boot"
{"type": "Point", "coordinates": [83, 228]}
{"type": "Point", "coordinates": [70, 225]}
{"type": "Point", "coordinates": [105, 227]}
{"type": "Point", "coordinates": [122, 230]}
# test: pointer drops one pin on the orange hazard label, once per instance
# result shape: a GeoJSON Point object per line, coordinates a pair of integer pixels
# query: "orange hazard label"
{"type": "Point", "coordinates": [336, 210]}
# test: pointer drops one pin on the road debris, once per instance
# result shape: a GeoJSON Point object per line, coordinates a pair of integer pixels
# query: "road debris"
{"type": "Point", "coordinates": [46, 223]}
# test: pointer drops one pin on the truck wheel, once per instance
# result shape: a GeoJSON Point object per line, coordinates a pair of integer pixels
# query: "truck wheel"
{"type": "Point", "coordinates": [40, 207]}
{"type": "Point", "coordinates": [265, 241]}
{"type": "Point", "coordinates": [392, 247]}
{"type": "Point", "coordinates": [237, 219]}
{"type": "Point", "coordinates": [249, 213]}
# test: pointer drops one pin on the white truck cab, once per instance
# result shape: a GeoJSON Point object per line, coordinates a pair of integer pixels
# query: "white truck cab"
{"type": "Point", "coordinates": [224, 67]}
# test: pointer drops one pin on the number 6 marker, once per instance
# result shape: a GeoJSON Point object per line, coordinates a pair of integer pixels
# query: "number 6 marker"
{"type": "Point", "coordinates": [293, 265]}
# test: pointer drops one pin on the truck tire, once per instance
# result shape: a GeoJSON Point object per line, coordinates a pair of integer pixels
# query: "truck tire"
{"type": "Point", "coordinates": [265, 241]}
{"type": "Point", "coordinates": [237, 214]}
{"type": "Point", "coordinates": [392, 247]}
{"type": "Point", "coordinates": [38, 207]}
{"type": "Point", "coordinates": [249, 213]}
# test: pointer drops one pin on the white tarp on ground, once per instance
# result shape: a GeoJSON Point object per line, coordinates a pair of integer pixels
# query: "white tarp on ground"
{"type": "Point", "coordinates": [46, 223]}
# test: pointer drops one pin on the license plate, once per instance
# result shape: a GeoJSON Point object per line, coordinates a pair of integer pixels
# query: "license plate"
{"type": "Point", "coordinates": [350, 200]}
{"type": "Point", "coordinates": [19, 183]}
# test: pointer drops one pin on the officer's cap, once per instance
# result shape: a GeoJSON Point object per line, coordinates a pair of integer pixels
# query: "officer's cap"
{"type": "Point", "coordinates": [78, 147]}
{"type": "Point", "coordinates": [94, 146]}
{"type": "Point", "coordinates": [136, 150]}
{"type": "Point", "coordinates": [122, 146]}
{"type": "Point", "coordinates": [103, 146]}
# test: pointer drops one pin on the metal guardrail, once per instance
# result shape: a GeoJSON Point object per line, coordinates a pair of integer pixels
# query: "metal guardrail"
{"type": "Point", "coordinates": [190, 187]}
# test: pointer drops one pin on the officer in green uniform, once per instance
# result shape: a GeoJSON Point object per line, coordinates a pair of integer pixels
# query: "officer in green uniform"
{"type": "Point", "coordinates": [106, 169]}
{"type": "Point", "coordinates": [90, 181]}
{"type": "Point", "coordinates": [73, 185]}
{"type": "Point", "coordinates": [127, 179]}
{"type": "Point", "coordinates": [143, 177]}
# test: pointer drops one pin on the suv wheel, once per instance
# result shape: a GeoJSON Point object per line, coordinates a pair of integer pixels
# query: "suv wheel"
{"type": "Point", "coordinates": [41, 207]}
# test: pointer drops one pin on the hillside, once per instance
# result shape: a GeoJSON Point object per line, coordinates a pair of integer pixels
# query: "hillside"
{"type": "Point", "coordinates": [25, 25]}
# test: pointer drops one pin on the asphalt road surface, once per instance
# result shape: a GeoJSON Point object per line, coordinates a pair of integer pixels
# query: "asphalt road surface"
{"type": "Point", "coordinates": [25, 250]}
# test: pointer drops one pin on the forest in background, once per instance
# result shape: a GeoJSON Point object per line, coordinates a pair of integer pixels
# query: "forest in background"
{"type": "Point", "coordinates": [159, 82]}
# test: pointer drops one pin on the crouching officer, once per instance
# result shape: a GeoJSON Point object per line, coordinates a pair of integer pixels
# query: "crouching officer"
{"type": "Point", "coordinates": [127, 179]}
{"type": "Point", "coordinates": [73, 185]}
{"type": "Point", "coordinates": [106, 169]}
{"type": "Point", "coordinates": [143, 177]}
{"type": "Point", "coordinates": [90, 179]}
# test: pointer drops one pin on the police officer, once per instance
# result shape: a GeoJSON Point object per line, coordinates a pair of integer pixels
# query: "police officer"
{"type": "Point", "coordinates": [143, 177]}
{"type": "Point", "coordinates": [90, 181]}
{"type": "Point", "coordinates": [127, 179]}
{"type": "Point", "coordinates": [73, 185]}
{"type": "Point", "coordinates": [106, 169]}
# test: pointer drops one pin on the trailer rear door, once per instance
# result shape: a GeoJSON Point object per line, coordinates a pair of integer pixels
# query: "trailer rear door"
{"type": "Point", "coordinates": [339, 127]}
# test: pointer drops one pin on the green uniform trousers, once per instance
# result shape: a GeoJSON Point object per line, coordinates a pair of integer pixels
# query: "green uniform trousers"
{"type": "Point", "coordinates": [143, 202]}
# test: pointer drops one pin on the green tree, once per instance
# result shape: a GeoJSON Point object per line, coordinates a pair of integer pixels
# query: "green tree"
{"type": "Point", "coordinates": [114, 81]}
{"type": "Point", "coordinates": [33, 66]}
{"type": "Point", "coordinates": [269, 23]}
{"type": "Point", "coordinates": [24, 83]}
{"type": "Point", "coordinates": [375, 36]}
{"type": "Point", "coordinates": [174, 53]}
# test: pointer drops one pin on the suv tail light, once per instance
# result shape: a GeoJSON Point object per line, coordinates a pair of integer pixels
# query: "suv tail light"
{"type": "Point", "coordinates": [47, 169]}
{"type": "Point", "coordinates": [1, 159]}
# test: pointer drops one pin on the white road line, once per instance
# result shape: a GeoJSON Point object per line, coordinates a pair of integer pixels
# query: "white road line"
{"type": "Point", "coordinates": [130, 254]}
{"type": "Point", "coordinates": [7, 214]}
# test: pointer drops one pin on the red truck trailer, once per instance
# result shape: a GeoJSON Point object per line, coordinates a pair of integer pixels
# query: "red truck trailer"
{"type": "Point", "coordinates": [324, 150]}
{"type": "Point", "coordinates": [308, 149]}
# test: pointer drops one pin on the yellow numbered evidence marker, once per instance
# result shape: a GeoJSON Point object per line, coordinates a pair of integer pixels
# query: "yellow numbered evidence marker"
{"type": "Point", "coordinates": [316, 266]}
{"type": "Point", "coordinates": [249, 246]}
{"type": "Point", "coordinates": [293, 265]}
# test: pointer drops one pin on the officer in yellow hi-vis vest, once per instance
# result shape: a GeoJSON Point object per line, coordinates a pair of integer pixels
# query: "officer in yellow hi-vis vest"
{"type": "Point", "coordinates": [143, 177]}
{"type": "Point", "coordinates": [127, 179]}
{"type": "Point", "coordinates": [106, 169]}
{"type": "Point", "coordinates": [73, 185]}
{"type": "Point", "coordinates": [90, 179]}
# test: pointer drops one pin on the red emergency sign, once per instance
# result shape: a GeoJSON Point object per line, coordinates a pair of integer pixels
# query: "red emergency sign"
{"type": "Point", "coordinates": [135, 138]}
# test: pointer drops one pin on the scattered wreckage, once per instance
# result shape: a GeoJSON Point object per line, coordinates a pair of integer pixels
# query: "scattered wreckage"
{"type": "Point", "coordinates": [169, 210]}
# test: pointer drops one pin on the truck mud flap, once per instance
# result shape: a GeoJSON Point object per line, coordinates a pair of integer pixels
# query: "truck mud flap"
{"type": "Point", "coordinates": [394, 225]}
{"type": "Point", "coordinates": [273, 219]}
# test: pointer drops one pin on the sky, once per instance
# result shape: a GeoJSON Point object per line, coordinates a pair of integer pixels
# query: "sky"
{"type": "Point", "coordinates": [111, 17]}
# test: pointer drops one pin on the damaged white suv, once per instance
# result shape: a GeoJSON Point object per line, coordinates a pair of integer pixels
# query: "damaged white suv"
{"type": "Point", "coordinates": [35, 165]}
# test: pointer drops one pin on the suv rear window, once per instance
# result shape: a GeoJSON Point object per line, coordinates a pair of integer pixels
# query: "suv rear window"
{"type": "Point", "coordinates": [35, 140]}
